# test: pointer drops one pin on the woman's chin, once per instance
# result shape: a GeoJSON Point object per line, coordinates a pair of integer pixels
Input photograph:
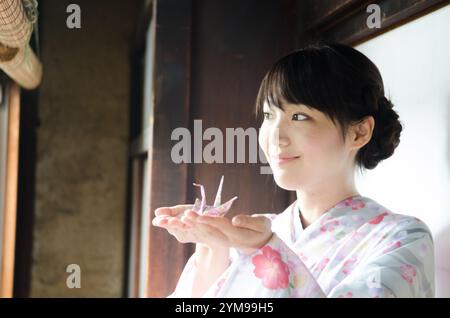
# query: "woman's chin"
{"type": "Point", "coordinates": [286, 182]}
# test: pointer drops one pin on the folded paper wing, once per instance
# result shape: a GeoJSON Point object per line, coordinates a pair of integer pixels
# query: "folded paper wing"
{"type": "Point", "coordinates": [217, 209]}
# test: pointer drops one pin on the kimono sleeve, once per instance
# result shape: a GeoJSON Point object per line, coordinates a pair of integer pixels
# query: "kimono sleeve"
{"type": "Point", "coordinates": [186, 280]}
{"type": "Point", "coordinates": [401, 266]}
{"type": "Point", "coordinates": [274, 271]}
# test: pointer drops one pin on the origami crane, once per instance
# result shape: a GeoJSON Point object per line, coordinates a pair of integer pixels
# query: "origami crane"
{"type": "Point", "coordinates": [217, 209]}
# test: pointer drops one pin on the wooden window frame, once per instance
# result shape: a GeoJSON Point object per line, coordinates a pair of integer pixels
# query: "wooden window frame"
{"type": "Point", "coordinates": [166, 182]}
{"type": "Point", "coordinates": [140, 158]}
{"type": "Point", "coordinates": [10, 123]}
{"type": "Point", "coordinates": [344, 21]}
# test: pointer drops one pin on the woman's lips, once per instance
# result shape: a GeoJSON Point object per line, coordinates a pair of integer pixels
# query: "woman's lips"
{"type": "Point", "coordinates": [281, 160]}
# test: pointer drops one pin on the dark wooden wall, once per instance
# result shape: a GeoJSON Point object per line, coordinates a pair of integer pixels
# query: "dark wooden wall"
{"type": "Point", "coordinates": [233, 45]}
{"type": "Point", "coordinates": [210, 58]}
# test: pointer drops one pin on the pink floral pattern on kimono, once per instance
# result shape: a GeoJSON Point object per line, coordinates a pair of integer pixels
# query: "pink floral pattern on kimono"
{"type": "Point", "coordinates": [378, 218]}
{"type": "Point", "coordinates": [408, 272]}
{"type": "Point", "coordinates": [355, 204]}
{"type": "Point", "coordinates": [271, 269]}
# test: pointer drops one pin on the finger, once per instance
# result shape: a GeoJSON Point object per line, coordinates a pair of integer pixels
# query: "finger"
{"type": "Point", "coordinates": [216, 221]}
{"type": "Point", "coordinates": [253, 222]}
{"type": "Point", "coordinates": [173, 210]}
{"type": "Point", "coordinates": [160, 220]}
{"type": "Point", "coordinates": [177, 223]}
{"type": "Point", "coordinates": [163, 220]}
{"type": "Point", "coordinates": [166, 221]}
{"type": "Point", "coordinates": [187, 221]}
{"type": "Point", "coordinates": [191, 214]}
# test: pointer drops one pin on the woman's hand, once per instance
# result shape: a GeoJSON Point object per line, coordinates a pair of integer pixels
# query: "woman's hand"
{"type": "Point", "coordinates": [210, 260]}
{"type": "Point", "coordinates": [179, 222]}
{"type": "Point", "coordinates": [244, 232]}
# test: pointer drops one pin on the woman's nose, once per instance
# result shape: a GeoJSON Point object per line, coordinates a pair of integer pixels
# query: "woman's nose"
{"type": "Point", "coordinates": [283, 140]}
{"type": "Point", "coordinates": [279, 138]}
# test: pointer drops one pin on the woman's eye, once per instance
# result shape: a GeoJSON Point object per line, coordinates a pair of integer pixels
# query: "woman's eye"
{"type": "Point", "coordinates": [299, 117]}
{"type": "Point", "coordinates": [267, 115]}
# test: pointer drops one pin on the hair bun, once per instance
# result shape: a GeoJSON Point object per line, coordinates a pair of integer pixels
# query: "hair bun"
{"type": "Point", "coordinates": [384, 104]}
{"type": "Point", "coordinates": [385, 136]}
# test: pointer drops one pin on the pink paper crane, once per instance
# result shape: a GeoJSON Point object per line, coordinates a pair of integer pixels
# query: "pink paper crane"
{"type": "Point", "coordinates": [217, 209]}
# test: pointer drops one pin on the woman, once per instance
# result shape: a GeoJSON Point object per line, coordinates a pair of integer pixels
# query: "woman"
{"type": "Point", "coordinates": [325, 114]}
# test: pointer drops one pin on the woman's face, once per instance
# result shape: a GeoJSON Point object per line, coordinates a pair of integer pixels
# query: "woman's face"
{"type": "Point", "coordinates": [303, 147]}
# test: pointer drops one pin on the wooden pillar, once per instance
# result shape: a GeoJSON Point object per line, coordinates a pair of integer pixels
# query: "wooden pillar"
{"type": "Point", "coordinates": [9, 207]}
{"type": "Point", "coordinates": [168, 180]}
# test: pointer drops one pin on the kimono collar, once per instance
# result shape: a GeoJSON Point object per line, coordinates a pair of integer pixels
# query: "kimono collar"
{"type": "Point", "coordinates": [351, 203]}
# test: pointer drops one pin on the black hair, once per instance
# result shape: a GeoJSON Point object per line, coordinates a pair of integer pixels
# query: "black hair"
{"type": "Point", "coordinates": [342, 83]}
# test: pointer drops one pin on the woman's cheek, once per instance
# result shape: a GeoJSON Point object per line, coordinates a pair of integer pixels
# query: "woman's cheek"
{"type": "Point", "coordinates": [324, 151]}
{"type": "Point", "coordinates": [263, 139]}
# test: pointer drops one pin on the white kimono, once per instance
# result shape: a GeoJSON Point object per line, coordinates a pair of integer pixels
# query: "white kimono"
{"type": "Point", "coordinates": [357, 248]}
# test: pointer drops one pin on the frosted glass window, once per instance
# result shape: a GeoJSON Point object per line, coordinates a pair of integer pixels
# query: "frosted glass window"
{"type": "Point", "coordinates": [415, 65]}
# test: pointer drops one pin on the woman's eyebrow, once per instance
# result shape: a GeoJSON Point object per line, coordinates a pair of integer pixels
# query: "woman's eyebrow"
{"type": "Point", "coordinates": [287, 107]}
{"type": "Point", "coordinates": [297, 107]}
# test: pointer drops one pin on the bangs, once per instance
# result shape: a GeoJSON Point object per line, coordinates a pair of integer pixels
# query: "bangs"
{"type": "Point", "coordinates": [309, 78]}
{"type": "Point", "coordinates": [278, 88]}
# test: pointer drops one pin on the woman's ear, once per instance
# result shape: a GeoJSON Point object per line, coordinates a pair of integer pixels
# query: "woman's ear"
{"type": "Point", "coordinates": [361, 132]}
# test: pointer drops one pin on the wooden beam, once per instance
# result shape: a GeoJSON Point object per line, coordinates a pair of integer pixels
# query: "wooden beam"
{"type": "Point", "coordinates": [345, 21]}
{"type": "Point", "coordinates": [168, 181]}
{"type": "Point", "coordinates": [324, 14]}
{"type": "Point", "coordinates": [10, 204]}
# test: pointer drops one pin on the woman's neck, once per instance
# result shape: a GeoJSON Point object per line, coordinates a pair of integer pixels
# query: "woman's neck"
{"type": "Point", "coordinates": [313, 204]}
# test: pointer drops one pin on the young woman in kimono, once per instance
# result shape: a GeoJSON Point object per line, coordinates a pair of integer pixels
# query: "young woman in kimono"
{"type": "Point", "coordinates": [325, 114]}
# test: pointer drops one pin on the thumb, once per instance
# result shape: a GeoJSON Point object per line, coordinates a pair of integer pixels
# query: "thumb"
{"type": "Point", "coordinates": [255, 223]}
